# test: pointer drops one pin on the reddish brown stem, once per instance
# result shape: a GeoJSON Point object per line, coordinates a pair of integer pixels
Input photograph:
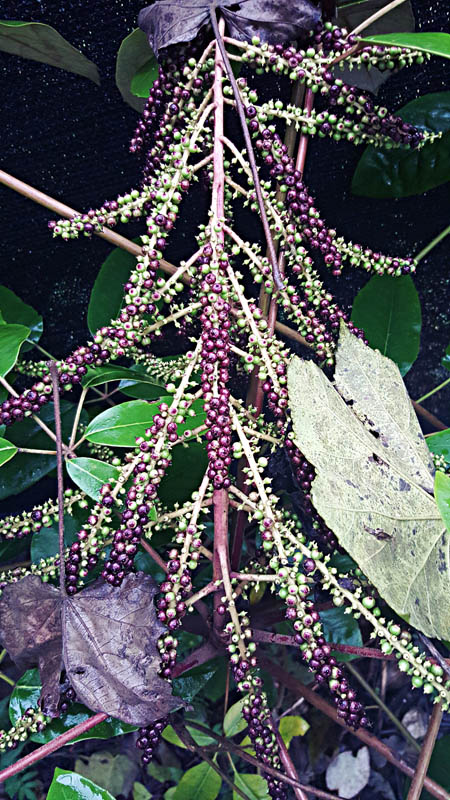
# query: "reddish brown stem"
{"type": "Point", "coordinates": [415, 790]}
{"type": "Point", "coordinates": [304, 138]}
{"type": "Point", "coordinates": [53, 369]}
{"type": "Point", "coordinates": [292, 683]}
{"type": "Point", "coordinates": [50, 747]}
{"type": "Point", "coordinates": [220, 545]}
{"type": "Point", "coordinates": [288, 764]}
{"type": "Point", "coordinates": [434, 421]}
{"type": "Point", "coordinates": [156, 557]}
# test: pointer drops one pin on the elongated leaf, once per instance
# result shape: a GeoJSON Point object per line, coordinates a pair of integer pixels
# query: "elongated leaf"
{"type": "Point", "coordinates": [119, 426]}
{"type": "Point", "coordinates": [11, 339]}
{"type": "Point", "coordinates": [71, 786]}
{"type": "Point", "coordinates": [199, 781]}
{"type": "Point", "coordinates": [374, 482]}
{"type": "Point", "coordinates": [14, 310]}
{"type": "Point", "coordinates": [144, 78]}
{"type": "Point", "coordinates": [234, 722]}
{"type": "Point", "coordinates": [388, 311]}
{"type": "Point", "coordinates": [134, 53]}
{"type": "Point", "coordinates": [399, 172]}
{"type": "Point", "coordinates": [90, 474]}
{"type": "Point", "coordinates": [127, 376]}
{"type": "Point", "coordinates": [106, 297]}
{"type": "Point", "coordinates": [199, 737]}
{"type": "Point", "coordinates": [7, 451]}
{"type": "Point", "coordinates": [341, 628]}
{"type": "Point", "coordinates": [437, 44]}
{"type": "Point", "coordinates": [26, 469]}
{"type": "Point", "coordinates": [291, 726]}
{"type": "Point", "coordinates": [42, 43]}
{"type": "Point", "coordinates": [446, 359]}
{"type": "Point", "coordinates": [442, 495]}
{"type": "Point", "coordinates": [439, 443]}
{"type": "Point", "coordinates": [26, 694]}
{"type": "Point", "coordinates": [253, 786]}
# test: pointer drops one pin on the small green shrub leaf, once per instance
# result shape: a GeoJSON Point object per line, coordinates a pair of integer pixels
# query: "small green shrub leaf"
{"type": "Point", "coordinates": [144, 78]}
{"type": "Point", "coordinates": [439, 443]}
{"type": "Point", "coordinates": [134, 54]}
{"type": "Point", "coordinates": [90, 474]}
{"type": "Point", "coordinates": [7, 451]}
{"type": "Point", "coordinates": [234, 722]}
{"type": "Point", "coordinates": [199, 737]}
{"type": "Point", "coordinates": [437, 44]}
{"type": "Point", "coordinates": [291, 726]}
{"type": "Point", "coordinates": [199, 781]}
{"type": "Point", "coordinates": [26, 695]}
{"type": "Point", "coordinates": [71, 786]}
{"type": "Point", "coordinates": [398, 172]}
{"type": "Point", "coordinates": [388, 311]}
{"type": "Point", "coordinates": [127, 376]}
{"type": "Point", "coordinates": [442, 495]}
{"type": "Point", "coordinates": [254, 786]}
{"type": "Point", "coordinates": [43, 43]}
{"type": "Point", "coordinates": [106, 297]}
{"type": "Point", "coordinates": [11, 339]}
{"type": "Point", "coordinates": [119, 426]}
{"type": "Point", "coordinates": [14, 310]}
{"type": "Point", "coordinates": [374, 478]}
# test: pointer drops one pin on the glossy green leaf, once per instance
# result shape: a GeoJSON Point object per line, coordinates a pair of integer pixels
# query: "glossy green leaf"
{"type": "Point", "coordinates": [134, 53]}
{"type": "Point", "coordinates": [439, 443]}
{"type": "Point", "coordinates": [68, 785]}
{"type": "Point", "coordinates": [388, 311]}
{"type": "Point", "coordinates": [254, 786]}
{"type": "Point", "coordinates": [140, 792]}
{"type": "Point", "coordinates": [113, 772]}
{"type": "Point", "coordinates": [128, 377]}
{"type": "Point", "coordinates": [11, 340]}
{"type": "Point", "coordinates": [437, 44]}
{"type": "Point", "coordinates": [442, 495]}
{"type": "Point", "coordinates": [26, 469]}
{"type": "Point", "coordinates": [199, 737]}
{"type": "Point", "coordinates": [90, 474]}
{"type": "Point", "coordinates": [119, 426]}
{"type": "Point", "coordinates": [400, 172]}
{"type": "Point", "coordinates": [200, 781]}
{"type": "Point", "coordinates": [7, 451]}
{"type": "Point", "coordinates": [26, 695]}
{"type": "Point", "coordinates": [184, 474]}
{"type": "Point", "coordinates": [42, 43]}
{"type": "Point", "coordinates": [446, 358]}
{"type": "Point", "coordinates": [15, 311]}
{"type": "Point", "coordinates": [291, 726]}
{"type": "Point", "coordinates": [164, 773]}
{"type": "Point", "coordinates": [341, 628]}
{"type": "Point", "coordinates": [194, 681]}
{"type": "Point", "coordinates": [234, 722]}
{"type": "Point", "coordinates": [142, 386]}
{"type": "Point", "coordinates": [106, 297]}
{"type": "Point", "coordinates": [45, 543]}
{"type": "Point", "coordinates": [144, 78]}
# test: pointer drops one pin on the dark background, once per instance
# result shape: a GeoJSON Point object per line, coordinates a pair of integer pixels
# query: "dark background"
{"type": "Point", "coordinates": [68, 137]}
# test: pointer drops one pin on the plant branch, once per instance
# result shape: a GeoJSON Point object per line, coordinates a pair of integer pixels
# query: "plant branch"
{"type": "Point", "coordinates": [433, 243]}
{"type": "Point", "coordinates": [418, 781]}
{"type": "Point", "coordinates": [378, 14]}
{"type": "Point", "coordinates": [77, 417]}
{"type": "Point", "coordinates": [53, 369]}
{"type": "Point", "coordinates": [287, 762]}
{"type": "Point", "coordinates": [433, 391]}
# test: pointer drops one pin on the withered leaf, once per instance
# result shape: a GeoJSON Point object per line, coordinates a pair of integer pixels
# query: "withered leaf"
{"type": "Point", "coordinates": [168, 22]}
{"type": "Point", "coordinates": [105, 638]}
{"type": "Point", "coordinates": [374, 478]}
{"type": "Point", "coordinates": [30, 630]}
{"type": "Point", "coordinates": [110, 650]}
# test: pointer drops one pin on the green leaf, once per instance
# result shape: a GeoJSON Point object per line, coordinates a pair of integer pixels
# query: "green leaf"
{"type": "Point", "coordinates": [254, 786]}
{"type": "Point", "coordinates": [192, 682]}
{"type": "Point", "coordinates": [14, 310]}
{"type": "Point", "coordinates": [437, 44]}
{"type": "Point", "coordinates": [446, 359]}
{"type": "Point", "coordinates": [439, 767]}
{"type": "Point", "coordinates": [199, 738]}
{"type": "Point", "coordinates": [134, 53]}
{"type": "Point", "coordinates": [162, 773]}
{"type": "Point", "coordinates": [42, 43]}
{"type": "Point", "coordinates": [184, 474]}
{"type": "Point", "coordinates": [26, 695]}
{"type": "Point", "coordinates": [388, 311]}
{"type": "Point", "coordinates": [140, 792]}
{"type": "Point", "coordinates": [119, 426]}
{"type": "Point", "coordinates": [234, 722]}
{"type": "Point", "coordinates": [142, 386]}
{"type": "Point", "coordinates": [11, 340]}
{"type": "Point", "coordinates": [374, 478]}
{"type": "Point", "coordinates": [90, 474]}
{"type": "Point", "coordinates": [341, 628]}
{"type": "Point", "coordinates": [442, 495]}
{"type": "Point", "coordinates": [106, 297]}
{"type": "Point", "coordinates": [128, 377]}
{"type": "Point", "coordinates": [291, 726]}
{"type": "Point", "coordinates": [144, 78]}
{"type": "Point", "coordinates": [400, 172]}
{"type": "Point", "coordinates": [26, 468]}
{"type": "Point", "coordinates": [114, 773]}
{"type": "Point", "coordinates": [68, 785]}
{"type": "Point", "coordinates": [7, 451]}
{"type": "Point", "coordinates": [200, 781]}
{"type": "Point", "coordinates": [45, 543]}
{"type": "Point", "coordinates": [439, 443]}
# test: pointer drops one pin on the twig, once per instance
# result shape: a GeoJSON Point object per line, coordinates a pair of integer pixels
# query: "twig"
{"type": "Point", "coordinates": [156, 557]}
{"type": "Point", "coordinates": [424, 252]}
{"type": "Point", "coordinates": [77, 417]}
{"type": "Point", "coordinates": [53, 369]}
{"type": "Point", "coordinates": [415, 790]}
{"type": "Point", "coordinates": [433, 391]}
{"type": "Point", "coordinates": [364, 736]}
{"type": "Point", "coordinates": [377, 699]}
{"type": "Point", "coordinates": [434, 421]}
{"type": "Point", "coordinates": [287, 762]}
{"type": "Point", "coordinates": [377, 15]}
